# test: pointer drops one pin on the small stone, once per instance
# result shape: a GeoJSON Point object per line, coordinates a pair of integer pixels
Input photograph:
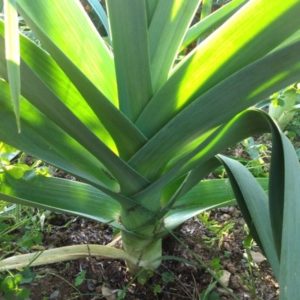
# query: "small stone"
{"type": "Point", "coordinates": [236, 213]}
{"type": "Point", "coordinates": [224, 279]}
{"type": "Point", "coordinates": [54, 295]}
{"type": "Point", "coordinates": [231, 268]}
{"type": "Point", "coordinates": [91, 284]}
{"type": "Point", "coordinates": [227, 210]}
{"type": "Point", "coordinates": [227, 246]}
{"type": "Point", "coordinates": [108, 294]}
{"type": "Point", "coordinates": [225, 217]}
{"type": "Point", "coordinates": [235, 282]}
{"type": "Point", "coordinates": [246, 296]}
{"type": "Point", "coordinates": [257, 257]}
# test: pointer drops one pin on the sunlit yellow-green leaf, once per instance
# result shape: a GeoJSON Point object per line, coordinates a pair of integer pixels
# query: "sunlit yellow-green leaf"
{"type": "Point", "coordinates": [168, 27]}
{"type": "Point", "coordinates": [205, 26]}
{"type": "Point", "coordinates": [249, 35]}
{"type": "Point", "coordinates": [206, 8]}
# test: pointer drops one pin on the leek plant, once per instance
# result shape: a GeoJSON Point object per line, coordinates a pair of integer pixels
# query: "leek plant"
{"type": "Point", "coordinates": [140, 117]}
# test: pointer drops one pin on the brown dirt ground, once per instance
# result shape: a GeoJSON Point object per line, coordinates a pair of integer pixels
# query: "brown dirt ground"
{"type": "Point", "coordinates": [175, 279]}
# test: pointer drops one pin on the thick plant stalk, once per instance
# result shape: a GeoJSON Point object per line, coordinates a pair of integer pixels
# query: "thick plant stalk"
{"type": "Point", "coordinates": [144, 253]}
{"type": "Point", "coordinates": [63, 254]}
{"type": "Point", "coordinates": [140, 239]}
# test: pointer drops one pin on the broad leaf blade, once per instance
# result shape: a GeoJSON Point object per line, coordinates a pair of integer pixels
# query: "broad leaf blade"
{"type": "Point", "coordinates": [200, 161]}
{"type": "Point", "coordinates": [55, 110]}
{"type": "Point", "coordinates": [126, 136]}
{"type": "Point", "coordinates": [41, 138]}
{"type": "Point", "coordinates": [205, 195]}
{"type": "Point", "coordinates": [248, 123]}
{"type": "Point", "coordinates": [234, 94]}
{"type": "Point", "coordinates": [169, 24]}
{"type": "Point", "coordinates": [249, 35]}
{"type": "Point", "coordinates": [12, 54]}
{"type": "Point", "coordinates": [128, 22]}
{"type": "Point", "coordinates": [255, 207]}
{"type": "Point", "coordinates": [45, 140]}
{"type": "Point", "coordinates": [206, 26]}
{"type": "Point", "coordinates": [45, 68]}
{"type": "Point", "coordinates": [99, 10]}
{"type": "Point", "coordinates": [151, 7]}
{"type": "Point", "coordinates": [59, 195]}
{"type": "Point", "coordinates": [85, 47]}
{"type": "Point", "coordinates": [206, 8]}
{"type": "Point", "coordinates": [290, 247]}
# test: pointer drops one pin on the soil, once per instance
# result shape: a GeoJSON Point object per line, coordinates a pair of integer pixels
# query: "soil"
{"type": "Point", "coordinates": [196, 248]}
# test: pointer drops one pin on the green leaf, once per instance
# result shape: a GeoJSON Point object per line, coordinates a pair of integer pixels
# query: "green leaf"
{"type": "Point", "coordinates": [30, 239]}
{"type": "Point", "coordinates": [151, 7]}
{"type": "Point", "coordinates": [168, 27]}
{"type": "Point", "coordinates": [243, 125]}
{"type": "Point", "coordinates": [12, 54]}
{"type": "Point", "coordinates": [57, 112]}
{"type": "Point", "coordinates": [249, 35]}
{"type": "Point", "coordinates": [10, 284]}
{"type": "Point", "coordinates": [80, 278]}
{"type": "Point", "coordinates": [45, 140]}
{"type": "Point", "coordinates": [51, 106]}
{"type": "Point", "coordinates": [7, 153]}
{"type": "Point", "coordinates": [290, 246]}
{"type": "Point", "coordinates": [198, 173]}
{"type": "Point", "coordinates": [45, 68]}
{"type": "Point", "coordinates": [28, 276]}
{"type": "Point", "coordinates": [206, 8]}
{"type": "Point", "coordinates": [204, 27]}
{"type": "Point", "coordinates": [85, 47]}
{"type": "Point", "coordinates": [205, 195]}
{"type": "Point", "coordinates": [60, 195]}
{"type": "Point", "coordinates": [254, 204]}
{"type": "Point", "coordinates": [93, 76]}
{"type": "Point", "coordinates": [199, 162]}
{"type": "Point", "coordinates": [239, 91]}
{"type": "Point", "coordinates": [128, 22]}
{"type": "Point", "coordinates": [99, 10]}
{"type": "Point", "coordinates": [280, 219]}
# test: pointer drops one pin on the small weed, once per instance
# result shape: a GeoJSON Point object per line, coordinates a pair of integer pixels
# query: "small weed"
{"type": "Point", "coordinates": [209, 293]}
{"type": "Point", "coordinates": [157, 289]}
{"type": "Point", "coordinates": [258, 154]}
{"type": "Point", "coordinates": [284, 105]}
{"type": "Point", "coordinates": [218, 230]}
{"type": "Point", "coordinates": [80, 278]}
{"type": "Point", "coordinates": [121, 294]}
{"type": "Point", "coordinates": [167, 277]}
{"type": "Point", "coordinates": [249, 278]}
{"type": "Point", "coordinates": [12, 289]}
{"type": "Point", "coordinates": [143, 276]}
{"type": "Point", "coordinates": [215, 265]}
